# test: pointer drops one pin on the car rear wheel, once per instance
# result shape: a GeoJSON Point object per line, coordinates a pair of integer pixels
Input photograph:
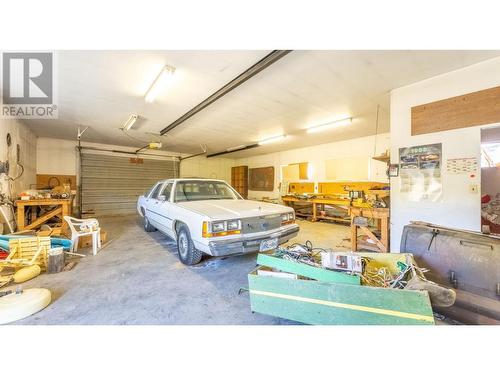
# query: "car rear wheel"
{"type": "Point", "coordinates": [185, 247]}
{"type": "Point", "coordinates": [147, 225]}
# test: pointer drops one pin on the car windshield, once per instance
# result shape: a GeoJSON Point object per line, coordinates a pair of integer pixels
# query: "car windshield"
{"type": "Point", "coordinates": [203, 190]}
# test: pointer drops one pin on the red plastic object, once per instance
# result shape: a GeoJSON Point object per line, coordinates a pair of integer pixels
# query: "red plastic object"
{"type": "Point", "coordinates": [3, 255]}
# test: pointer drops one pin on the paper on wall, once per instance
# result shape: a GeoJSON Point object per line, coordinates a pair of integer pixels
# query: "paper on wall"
{"type": "Point", "coordinates": [420, 172]}
{"type": "Point", "coordinates": [462, 165]}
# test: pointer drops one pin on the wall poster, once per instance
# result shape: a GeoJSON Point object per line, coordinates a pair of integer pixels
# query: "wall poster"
{"type": "Point", "coordinates": [420, 171]}
{"type": "Point", "coordinates": [462, 165]}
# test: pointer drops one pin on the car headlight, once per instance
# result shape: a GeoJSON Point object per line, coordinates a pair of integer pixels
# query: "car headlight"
{"type": "Point", "coordinates": [218, 226]}
{"type": "Point", "coordinates": [233, 225]}
{"type": "Point", "coordinates": [287, 218]}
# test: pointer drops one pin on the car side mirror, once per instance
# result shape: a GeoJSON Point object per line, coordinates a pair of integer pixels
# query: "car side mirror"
{"type": "Point", "coordinates": [162, 198]}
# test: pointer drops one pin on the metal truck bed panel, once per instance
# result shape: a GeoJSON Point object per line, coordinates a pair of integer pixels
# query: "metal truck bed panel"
{"type": "Point", "coordinates": [468, 261]}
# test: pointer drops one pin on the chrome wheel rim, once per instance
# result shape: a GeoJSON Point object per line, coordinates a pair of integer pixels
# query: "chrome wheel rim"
{"type": "Point", "coordinates": [146, 222]}
{"type": "Point", "coordinates": [183, 244]}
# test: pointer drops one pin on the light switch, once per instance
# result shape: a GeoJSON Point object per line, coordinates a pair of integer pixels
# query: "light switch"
{"type": "Point", "coordinates": [473, 188]}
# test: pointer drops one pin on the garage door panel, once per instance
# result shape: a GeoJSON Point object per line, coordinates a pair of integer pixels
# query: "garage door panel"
{"type": "Point", "coordinates": [99, 199]}
{"type": "Point", "coordinates": [112, 184]}
{"type": "Point", "coordinates": [108, 206]}
{"type": "Point", "coordinates": [94, 184]}
{"type": "Point", "coordinates": [138, 176]}
{"type": "Point", "coordinates": [140, 172]}
{"type": "Point", "coordinates": [113, 211]}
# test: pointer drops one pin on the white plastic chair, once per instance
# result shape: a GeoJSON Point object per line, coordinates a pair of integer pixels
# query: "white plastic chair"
{"type": "Point", "coordinates": [84, 227]}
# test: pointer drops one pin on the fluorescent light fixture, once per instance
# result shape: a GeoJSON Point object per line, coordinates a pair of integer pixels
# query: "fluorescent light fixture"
{"type": "Point", "coordinates": [235, 148]}
{"type": "Point", "coordinates": [272, 139]}
{"type": "Point", "coordinates": [154, 145]}
{"type": "Point", "coordinates": [130, 122]}
{"type": "Point", "coordinates": [329, 125]}
{"type": "Point", "coordinates": [159, 83]}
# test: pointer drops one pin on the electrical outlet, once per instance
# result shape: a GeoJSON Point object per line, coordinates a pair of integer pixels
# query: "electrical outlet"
{"type": "Point", "coordinates": [473, 188]}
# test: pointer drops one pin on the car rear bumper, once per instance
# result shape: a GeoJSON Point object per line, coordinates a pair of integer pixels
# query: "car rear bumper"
{"type": "Point", "coordinates": [248, 243]}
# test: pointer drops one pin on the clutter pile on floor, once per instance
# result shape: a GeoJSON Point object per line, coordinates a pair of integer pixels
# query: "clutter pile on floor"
{"type": "Point", "coordinates": [490, 212]}
{"type": "Point", "coordinates": [322, 286]}
{"type": "Point", "coordinates": [26, 255]}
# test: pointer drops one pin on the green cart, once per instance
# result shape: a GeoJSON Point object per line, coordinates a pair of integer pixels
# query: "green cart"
{"type": "Point", "coordinates": [319, 296]}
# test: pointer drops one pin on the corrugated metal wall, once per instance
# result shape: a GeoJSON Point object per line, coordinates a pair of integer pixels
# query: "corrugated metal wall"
{"type": "Point", "coordinates": [111, 184]}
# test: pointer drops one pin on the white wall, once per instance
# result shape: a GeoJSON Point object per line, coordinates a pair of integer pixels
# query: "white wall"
{"type": "Point", "coordinates": [27, 140]}
{"type": "Point", "coordinates": [203, 167]}
{"type": "Point", "coordinates": [59, 156]}
{"type": "Point", "coordinates": [458, 207]}
{"type": "Point", "coordinates": [316, 156]}
{"type": "Point", "coordinates": [56, 156]}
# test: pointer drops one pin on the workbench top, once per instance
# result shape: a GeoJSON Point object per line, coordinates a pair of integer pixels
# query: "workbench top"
{"type": "Point", "coordinates": [44, 201]}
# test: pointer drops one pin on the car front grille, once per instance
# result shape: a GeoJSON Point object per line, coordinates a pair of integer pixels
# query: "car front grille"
{"type": "Point", "coordinates": [260, 223]}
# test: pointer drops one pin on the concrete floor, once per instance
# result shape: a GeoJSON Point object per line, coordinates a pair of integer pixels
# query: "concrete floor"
{"type": "Point", "coordinates": [138, 279]}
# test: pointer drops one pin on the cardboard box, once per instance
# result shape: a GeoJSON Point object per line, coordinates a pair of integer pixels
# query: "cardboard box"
{"type": "Point", "coordinates": [86, 241]}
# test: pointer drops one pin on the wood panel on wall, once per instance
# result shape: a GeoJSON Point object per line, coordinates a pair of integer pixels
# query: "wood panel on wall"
{"type": "Point", "coordinates": [290, 172]}
{"type": "Point", "coordinates": [261, 179]}
{"type": "Point", "coordinates": [44, 181]}
{"type": "Point", "coordinates": [301, 187]}
{"type": "Point", "coordinates": [294, 172]}
{"type": "Point", "coordinates": [477, 108]}
{"type": "Point", "coordinates": [344, 187]}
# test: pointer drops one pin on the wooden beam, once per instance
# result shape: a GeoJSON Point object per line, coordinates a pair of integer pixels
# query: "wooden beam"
{"type": "Point", "coordinates": [374, 238]}
{"type": "Point", "coordinates": [44, 218]}
{"type": "Point", "coordinates": [473, 109]}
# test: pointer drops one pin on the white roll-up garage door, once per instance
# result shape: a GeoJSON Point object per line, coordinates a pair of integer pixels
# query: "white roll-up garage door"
{"type": "Point", "coordinates": [111, 184]}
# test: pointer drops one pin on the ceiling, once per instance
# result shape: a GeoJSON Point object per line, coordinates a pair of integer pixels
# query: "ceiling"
{"type": "Point", "coordinates": [101, 89]}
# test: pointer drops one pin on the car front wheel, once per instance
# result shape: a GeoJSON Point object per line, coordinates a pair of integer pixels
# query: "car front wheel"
{"type": "Point", "coordinates": [185, 247]}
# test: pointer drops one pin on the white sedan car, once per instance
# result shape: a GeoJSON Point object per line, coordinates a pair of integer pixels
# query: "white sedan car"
{"type": "Point", "coordinates": [209, 216]}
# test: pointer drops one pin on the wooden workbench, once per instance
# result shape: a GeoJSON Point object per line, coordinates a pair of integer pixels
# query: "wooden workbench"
{"type": "Point", "coordinates": [62, 207]}
{"type": "Point", "coordinates": [318, 204]}
{"type": "Point", "coordinates": [382, 216]}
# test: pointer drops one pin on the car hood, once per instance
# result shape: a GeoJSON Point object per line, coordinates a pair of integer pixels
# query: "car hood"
{"type": "Point", "coordinates": [228, 209]}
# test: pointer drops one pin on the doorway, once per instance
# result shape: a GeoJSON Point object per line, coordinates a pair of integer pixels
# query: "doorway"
{"type": "Point", "coordinates": [490, 180]}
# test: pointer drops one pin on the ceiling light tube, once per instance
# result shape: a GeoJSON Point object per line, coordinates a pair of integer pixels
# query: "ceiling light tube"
{"type": "Point", "coordinates": [159, 83]}
{"type": "Point", "coordinates": [329, 125]}
{"type": "Point", "coordinates": [130, 122]}
{"type": "Point", "coordinates": [235, 148]}
{"type": "Point", "coordinates": [272, 139]}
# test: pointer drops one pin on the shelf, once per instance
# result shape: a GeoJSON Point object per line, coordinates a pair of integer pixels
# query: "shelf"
{"type": "Point", "coordinates": [333, 218]}
{"type": "Point", "coordinates": [364, 245]}
{"type": "Point", "coordinates": [382, 158]}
